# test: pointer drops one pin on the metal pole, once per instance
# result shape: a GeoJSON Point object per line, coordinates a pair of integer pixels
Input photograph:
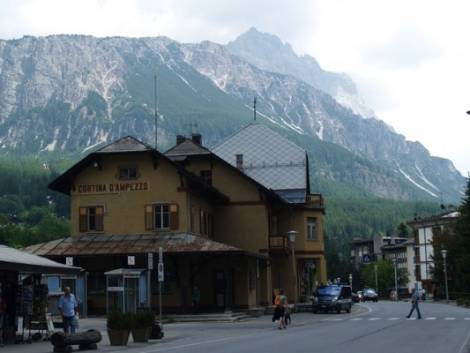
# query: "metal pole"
{"type": "Point", "coordinates": [160, 303]}
{"type": "Point", "coordinates": [396, 278]}
{"type": "Point", "coordinates": [376, 279]}
{"type": "Point", "coordinates": [445, 277]}
{"type": "Point", "coordinates": [294, 267]}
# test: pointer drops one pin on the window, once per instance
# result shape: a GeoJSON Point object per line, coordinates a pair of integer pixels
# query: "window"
{"type": "Point", "coordinates": [91, 219]}
{"type": "Point", "coordinates": [311, 228]}
{"type": "Point", "coordinates": [161, 217]}
{"type": "Point", "coordinates": [127, 173]}
{"type": "Point", "coordinates": [206, 176]}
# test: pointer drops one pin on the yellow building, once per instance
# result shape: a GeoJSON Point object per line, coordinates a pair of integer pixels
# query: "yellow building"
{"type": "Point", "coordinates": [221, 224]}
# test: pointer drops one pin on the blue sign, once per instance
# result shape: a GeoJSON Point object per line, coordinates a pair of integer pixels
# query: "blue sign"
{"type": "Point", "coordinates": [366, 258]}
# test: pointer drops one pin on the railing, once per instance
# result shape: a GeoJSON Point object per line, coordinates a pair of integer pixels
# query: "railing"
{"type": "Point", "coordinates": [278, 242]}
{"type": "Point", "coordinates": [315, 200]}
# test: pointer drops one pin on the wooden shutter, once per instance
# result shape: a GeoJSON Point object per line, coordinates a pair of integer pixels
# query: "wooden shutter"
{"type": "Point", "coordinates": [174, 217]}
{"type": "Point", "coordinates": [99, 218]}
{"type": "Point", "coordinates": [149, 224]}
{"type": "Point", "coordinates": [82, 220]}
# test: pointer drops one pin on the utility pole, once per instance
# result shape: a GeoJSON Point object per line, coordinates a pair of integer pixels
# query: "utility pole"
{"type": "Point", "coordinates": [155, 102]}
{"type": "Point", "coordinates": [444, 257]}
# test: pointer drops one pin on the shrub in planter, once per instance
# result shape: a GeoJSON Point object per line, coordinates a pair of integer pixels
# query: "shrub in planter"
{"type": "Point", "coordinates": [143, 322]}
{"type": "Point", "coordinates": [460, 301]}
{"type": "Point", "coordinates": [119, 326]}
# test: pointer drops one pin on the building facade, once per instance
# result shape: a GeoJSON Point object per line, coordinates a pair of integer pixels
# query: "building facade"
{"type": "Point", "coordinates": [223, 233]}
{"type": "Point", "coordinates": [404, 255]}
{"type": "Point", "coordinates": [425, 230]}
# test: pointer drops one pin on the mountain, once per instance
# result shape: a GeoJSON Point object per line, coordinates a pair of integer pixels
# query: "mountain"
{"type": "Point", "coordinates": [269, 53]}
{"type": "Point", "coordinates": [67, 94]}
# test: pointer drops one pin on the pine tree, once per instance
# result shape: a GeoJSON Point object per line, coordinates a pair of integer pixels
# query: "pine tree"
{"type": "Point", "coordinates": [462, 255]}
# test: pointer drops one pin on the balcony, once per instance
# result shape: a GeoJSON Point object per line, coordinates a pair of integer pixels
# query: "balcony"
{"type": "Point", "coordinates": [315, 201]}
{"type": "Point", "coordinates": [278, 244]}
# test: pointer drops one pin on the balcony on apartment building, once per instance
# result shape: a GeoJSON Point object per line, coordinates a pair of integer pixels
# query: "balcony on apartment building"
{"type": "Point", "coordinates": [279, 244]}
{"type": "Point", "coordinates": [315, 201]}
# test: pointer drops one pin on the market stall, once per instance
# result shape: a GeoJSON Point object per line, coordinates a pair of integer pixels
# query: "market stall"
{"type": "Point", "coordinates": [23, 294]}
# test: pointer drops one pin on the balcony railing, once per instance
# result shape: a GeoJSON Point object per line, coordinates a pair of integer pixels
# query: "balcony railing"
{"type": "Point", "coordinates": [315, 201]}
{"type": "Point", "coordinates": [278, 243]}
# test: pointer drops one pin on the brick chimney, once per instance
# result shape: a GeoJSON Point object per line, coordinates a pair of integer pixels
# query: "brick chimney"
{"type": "Point", "coordinates": [180, 139]}
{"type": "Point", "coordinates": [197, 139]}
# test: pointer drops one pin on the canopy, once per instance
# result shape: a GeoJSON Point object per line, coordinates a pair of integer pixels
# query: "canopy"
{"type": "Point", "coordinates": [17, 260]}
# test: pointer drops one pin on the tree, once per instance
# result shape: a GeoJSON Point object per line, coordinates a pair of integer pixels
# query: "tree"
{"type": "Point", "coordinates": [461, 254]}
{"type": "Point", "coordinates": [402, 230]}
{"type": "Point", "coordinates": [385, 276]}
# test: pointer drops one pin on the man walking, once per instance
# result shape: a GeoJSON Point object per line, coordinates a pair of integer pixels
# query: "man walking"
{"type": "Point", "coordinates": [68, 308]}
{"type": "Point", "coordinates": [414, 304]}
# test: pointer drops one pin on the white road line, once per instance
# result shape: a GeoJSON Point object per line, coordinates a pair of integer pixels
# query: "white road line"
{"type": "Point", "coordinates": [411, 318]}
{"type": "Point", "coordinates": [464, 344]}
{"type": "Point", "coordinates": [393, 318]}
{"type": "Point", "coordinates": [467, 319]}
{"type": "Point", "coordinates": [337, 319]}
{"type": "Point", "coordinates": [430, 318]}
{"type": "Point", "coordinates": [357, 319]}
{"type": "Point", "coordinates": [449, 318]}
{"type": "Point", "coordinates": [374, 318]}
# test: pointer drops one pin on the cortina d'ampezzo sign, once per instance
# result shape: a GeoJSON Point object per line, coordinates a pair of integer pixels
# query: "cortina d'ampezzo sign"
{"type": "Point", "coordinates": [110, 188]}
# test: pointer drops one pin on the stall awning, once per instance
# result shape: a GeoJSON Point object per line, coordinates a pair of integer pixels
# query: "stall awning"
{"type": "Point", "coordinates": [17, 260]}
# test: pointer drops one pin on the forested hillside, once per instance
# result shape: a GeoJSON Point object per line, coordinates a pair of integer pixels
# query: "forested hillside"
{"type": "Point", "coordinates": [30, 213]}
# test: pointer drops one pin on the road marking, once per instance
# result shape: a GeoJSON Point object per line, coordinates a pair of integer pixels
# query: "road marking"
{"type": "Point", "coordinates": [430, 318]}
{"type": "Point", "coordinates": [357, 319]}
{"type": "Point", "coordinates": [374, 318]}
{"type": "Point", "coordinates": [464, 344]}
{"type": "Point", "coordinates": [393, 318]}
{"type": "Point", "coordinates": [449, 318]}
{"type": "Point", "coordinates": [336, 319]}
{"type": "Point", "coordinates": [467, 319]}
{"type": "Point", "coordinates": [411, 318]}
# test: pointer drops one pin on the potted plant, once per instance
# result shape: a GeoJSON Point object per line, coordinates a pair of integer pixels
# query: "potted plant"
{"type": "Point", "coordinates": [142, 324]}
{"type": "Point", "coordinates": [119, 326]}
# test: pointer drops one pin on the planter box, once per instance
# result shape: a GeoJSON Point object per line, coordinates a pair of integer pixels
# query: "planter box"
{"type": "Point", "coordinates": [118, 337]}
{"type": "Point", "coordinates": [141, 335]}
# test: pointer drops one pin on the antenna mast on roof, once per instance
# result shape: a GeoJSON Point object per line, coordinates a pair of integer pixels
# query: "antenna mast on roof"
{"type": "Point", "coordinates": [155, 109]}
{"type": "Point", "coordinates": [254, 108]}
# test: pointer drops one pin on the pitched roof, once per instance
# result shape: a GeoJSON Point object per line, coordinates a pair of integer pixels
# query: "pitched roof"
{"type": "Point", "coordinates": [16, 260]}
{"type": "Point", "coordinates": [125, 144]}
{"type": "Point", "coordinates": [270, 159]}
{"type": "Point", "coordinates": [186, 148]}
{"type": "Point", "coordinates": [132, 244]}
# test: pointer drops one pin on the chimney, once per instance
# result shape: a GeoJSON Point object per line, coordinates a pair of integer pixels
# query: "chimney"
{"type": "Point", "coordinates": [180, 139]}
{"type": "Point", "coordinates": [197, 139]}
{"type": "Point", "coordinates": [239, 158]}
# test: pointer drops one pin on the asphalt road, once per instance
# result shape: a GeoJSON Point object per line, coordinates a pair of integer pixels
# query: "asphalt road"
{"type": "Point", "coordinates": [375, 328]}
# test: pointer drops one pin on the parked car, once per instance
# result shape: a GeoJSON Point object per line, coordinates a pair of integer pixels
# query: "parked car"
{"type": "Point", "coordinates": [369, 294]}
{"type": "Point", "coordinates": [332, 298]}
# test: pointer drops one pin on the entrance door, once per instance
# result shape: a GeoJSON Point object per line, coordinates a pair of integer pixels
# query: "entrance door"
{"type": "Point", "coordinates": [220, 289]}
{"type": "Point", "coordinates": [131, 288]}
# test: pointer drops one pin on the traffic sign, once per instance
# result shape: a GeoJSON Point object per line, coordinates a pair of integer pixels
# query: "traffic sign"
{"type": "Point", "coordinates": [161, 275]}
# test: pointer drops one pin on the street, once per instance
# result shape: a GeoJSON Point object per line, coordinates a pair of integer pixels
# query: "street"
{"type": "Point", "coordinates": [372, 327]}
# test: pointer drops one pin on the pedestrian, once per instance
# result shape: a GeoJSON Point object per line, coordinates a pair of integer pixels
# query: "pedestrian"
{"type": "Point", "coordinates": [68, 308]}
{"type": "Point", "coordinates": [196, 297]}
{"type": "Point", "coordinates": [414, 304]}
{"type": "Point", "coordinates": [280, 303]}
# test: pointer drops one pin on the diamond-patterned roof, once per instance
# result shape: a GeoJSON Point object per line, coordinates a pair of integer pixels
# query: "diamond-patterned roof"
{"type": "Point", "coordinates": [186, 148]}
{"type": "Point", "coordinates": [125, 144]}
{"type": "Point", "coordinates": [268, 158]}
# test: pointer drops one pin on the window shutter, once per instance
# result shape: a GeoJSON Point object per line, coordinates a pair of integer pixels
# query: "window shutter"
{"type": "Point", "coordinates": [174, 217]}
{"type": "Point", "coordinates": [99, 219]}
{"type": "Point", "coordinates": [82, 220]}
{"type": "Point", "coordinates": [149, 224]}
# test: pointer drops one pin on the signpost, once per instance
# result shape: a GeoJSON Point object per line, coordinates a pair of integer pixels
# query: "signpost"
{"type": "Point", "coordinates": [161, 278]}
{"type": "Point", "coordinates": [130, 260]}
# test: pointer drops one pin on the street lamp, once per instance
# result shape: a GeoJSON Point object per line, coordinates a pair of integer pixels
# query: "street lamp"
{"type": "Point", "coordinates": [350, 280]}
{"type": "Point", "coordinates": [395, 261]}
{"type": "Point", "coordinates": [376, 279]}
{"type": "Point", "coordinates": [291, 235]}
{"type": "Point", "coordinates": [444, 257]}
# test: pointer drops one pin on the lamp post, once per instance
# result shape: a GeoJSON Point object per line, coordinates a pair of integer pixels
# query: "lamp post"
{"type": "Point", "coordinates": [376, 279]}
{"type": "Point", "coordinates": [291, 235]}
{"type": "Point", "coordinates": [350, 280]}
{"type": "Point", "coordinates": [444, 257]}
{"type": "Point", "coordinates": [396, 277]}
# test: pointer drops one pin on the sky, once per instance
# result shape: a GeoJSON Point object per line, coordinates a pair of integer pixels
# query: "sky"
{"type": "Point", "coordinates": [409, 59]}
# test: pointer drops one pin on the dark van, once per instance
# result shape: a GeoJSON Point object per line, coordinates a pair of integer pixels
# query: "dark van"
{"type": "Point", "coordinates": [332, 298]}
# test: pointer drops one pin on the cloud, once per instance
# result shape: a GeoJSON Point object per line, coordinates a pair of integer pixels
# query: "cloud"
{"type": "Point", "coordinates": [408, 48]}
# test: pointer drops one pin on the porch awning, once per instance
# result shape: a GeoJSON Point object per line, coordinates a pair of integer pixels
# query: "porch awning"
{"type": "Point", "coordinates": [174, 243]}
{"type": "Point", "coordinates": [17, 260]}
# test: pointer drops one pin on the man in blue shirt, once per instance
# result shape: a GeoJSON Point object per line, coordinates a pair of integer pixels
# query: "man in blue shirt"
{"type": "Point", "coordinates": [414, 304]}
{"type": "Point", "coordinates": [68, 308]}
